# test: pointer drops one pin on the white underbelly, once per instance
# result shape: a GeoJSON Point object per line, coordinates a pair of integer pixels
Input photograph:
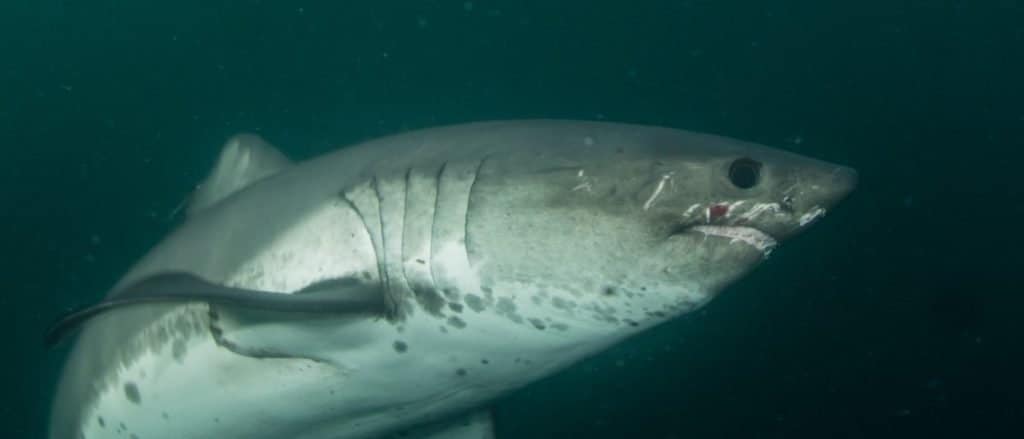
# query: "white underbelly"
{"type": "Point", "coordinates": [370, 377]}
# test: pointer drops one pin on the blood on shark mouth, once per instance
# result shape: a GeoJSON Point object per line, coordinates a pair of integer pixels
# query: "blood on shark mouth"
{"type": "Point", "coordinates": [716, 211]}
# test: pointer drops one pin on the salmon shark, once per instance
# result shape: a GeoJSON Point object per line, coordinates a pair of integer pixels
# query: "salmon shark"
{"type": "Point", "coordinates": [400, 286]}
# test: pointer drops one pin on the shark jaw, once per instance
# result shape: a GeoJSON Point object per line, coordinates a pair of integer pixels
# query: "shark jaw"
{"type": "Point", "coordinates": [753, 237]}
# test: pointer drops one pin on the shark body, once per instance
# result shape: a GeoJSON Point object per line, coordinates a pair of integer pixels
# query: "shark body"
{"type": "Point", "coordinates": [403, 284]}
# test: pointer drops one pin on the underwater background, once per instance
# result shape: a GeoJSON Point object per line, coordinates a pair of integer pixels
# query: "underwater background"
{"type": "Point", "coordinates": [899, 315]}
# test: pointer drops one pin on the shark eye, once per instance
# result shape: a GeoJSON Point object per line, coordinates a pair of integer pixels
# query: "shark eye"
{"type": "Point", "coordinates": [744, 173]}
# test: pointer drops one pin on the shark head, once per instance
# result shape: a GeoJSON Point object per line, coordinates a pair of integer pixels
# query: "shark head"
{"type": "Point", "coordinates": [632, 227]}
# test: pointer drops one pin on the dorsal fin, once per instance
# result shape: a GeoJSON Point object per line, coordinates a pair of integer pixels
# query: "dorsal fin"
{"type": "Point", "coordinates": [244, 159]}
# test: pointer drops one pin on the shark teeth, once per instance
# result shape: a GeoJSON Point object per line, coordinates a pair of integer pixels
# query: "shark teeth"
{"type": "Point", "coordinates": [747, 235]}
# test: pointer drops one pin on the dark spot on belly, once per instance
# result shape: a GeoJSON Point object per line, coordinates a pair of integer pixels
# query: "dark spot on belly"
{"type": "Point", "coordinates": [537, 323]}
{"type": "Point", "coordinates": [460, 372]}
{"type": "Point", "coordinates": [474, 302]}
{"type": "Point", "coordinates": [450, 293]}
{"type": "Point", "coordinates": [134, 436]}
{"type": "Point", "coordinates": [484, 361]}
{"type": "Point", "coordinates": [456, 322]}
{"type": "Point", "coordinates": [507, 308]}
{"type": "Point", "coordinates": [420, 261]}
{"type": "Point", "coordinates": [429, 299]}
{"type": "Point", "coordinates": [164, 415]}
{"type": "Point", "coordinates": [631, 322]}
{"type": "Point", "coordinates": [400, 346]}
{"type": "Point", "coordinates": [506, 305]}
{"type": "Point", "coordinates": [178, 350]}
{"type": "Point", "coordinates": [608, 291]}
{"type": "Point", "coordinates": [99, 419]}
{"type": "Point", "coordinates": [457, 307]}
{"type": "Point", "coordinates": [131, 391]}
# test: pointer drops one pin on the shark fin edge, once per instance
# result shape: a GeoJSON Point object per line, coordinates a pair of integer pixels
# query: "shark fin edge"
{"type": "Point", "coordinates": [244, 159]}
{"type": "Point", "coordinates": [343, 296]}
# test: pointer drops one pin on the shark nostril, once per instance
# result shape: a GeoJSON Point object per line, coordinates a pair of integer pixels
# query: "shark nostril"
{"type": "Point", "coordinates": [787, 204]}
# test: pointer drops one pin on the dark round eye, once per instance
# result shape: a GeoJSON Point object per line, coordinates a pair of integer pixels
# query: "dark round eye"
{"type": "Point", "coordinates": [744, 173]}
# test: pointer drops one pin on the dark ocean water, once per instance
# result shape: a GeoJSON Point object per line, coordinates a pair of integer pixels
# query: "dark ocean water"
{"type": "Point", "coordinates": [897, 316]}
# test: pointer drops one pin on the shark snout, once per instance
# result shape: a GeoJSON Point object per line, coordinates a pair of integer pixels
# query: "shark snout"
{"type": "Point", "coordinates": [843, 181]}
{"type": "Point", "coordinates": [826, 191]}
{"type": "Point", "coordinates": [818, 194]}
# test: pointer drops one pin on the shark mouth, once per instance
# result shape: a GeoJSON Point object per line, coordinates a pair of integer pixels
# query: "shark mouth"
{"type": "Point", "coordinates": [747, 235]}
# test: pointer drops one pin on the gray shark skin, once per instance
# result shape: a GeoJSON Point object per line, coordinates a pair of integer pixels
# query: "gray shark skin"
{"type": "Point", "coordinates": [437, 270]}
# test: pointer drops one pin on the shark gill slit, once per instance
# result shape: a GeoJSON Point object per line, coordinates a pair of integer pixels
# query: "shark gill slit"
{"type": "Point", "coordinates": [421, 279]}
{"type": "Point", "coordinates": [382, 258]}
{"type": "Point", "coordinates": [469, 206]}
{"type": "Point", "coordinates": [430, 235]}
{"type": "Point", "coordinates": [405, 222]}
{"type": "Point", "coordinates": [451, 263]}
{"type": "Point", "coordinates": [391, 210]}
{"type": "Point", "coordinates": [434, 275]}
{"type": "Point", "coordinates": [350, 196]}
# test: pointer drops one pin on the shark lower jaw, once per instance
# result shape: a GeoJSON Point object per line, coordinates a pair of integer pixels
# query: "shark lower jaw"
{"type": "Point", "coordinates": [742, 235]}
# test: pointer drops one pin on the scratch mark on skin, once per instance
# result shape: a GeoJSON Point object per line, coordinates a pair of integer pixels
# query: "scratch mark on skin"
{"type": "Point", "coordinates": [582, 187]}
{"type": "Point", "coordinates": [810, 216]}
{"type": "Point", "coordinates": [760, 209]}
{"type": "Point", "coordinates": [747, 235]}
{"type": "Point", "coordinates": [665, 178]}
{"type": "Point", "coordinates": [584, 182]}
{"type": "Point", "coordinates": [733, 207]}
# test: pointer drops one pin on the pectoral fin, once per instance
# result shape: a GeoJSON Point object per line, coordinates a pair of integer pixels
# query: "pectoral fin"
{"type": "Point", "coordinates": [345, 296]}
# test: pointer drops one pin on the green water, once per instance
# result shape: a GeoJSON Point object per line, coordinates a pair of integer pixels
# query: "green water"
{"type": "Point", "coordinates": [897, 316]}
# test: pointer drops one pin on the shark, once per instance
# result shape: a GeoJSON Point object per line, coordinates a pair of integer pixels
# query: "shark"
{"type": "Point", "coordinates": [399, 287]}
